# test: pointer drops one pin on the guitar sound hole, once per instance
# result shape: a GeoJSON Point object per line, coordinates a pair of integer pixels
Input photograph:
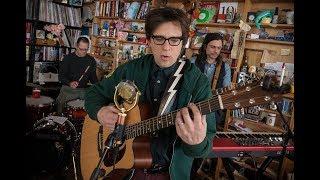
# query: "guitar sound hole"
{"type": "Point", "coordinates": [109, 159]}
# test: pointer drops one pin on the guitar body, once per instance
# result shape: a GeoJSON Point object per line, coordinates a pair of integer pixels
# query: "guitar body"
{"type": "Point", "coordinates": [133, 152]}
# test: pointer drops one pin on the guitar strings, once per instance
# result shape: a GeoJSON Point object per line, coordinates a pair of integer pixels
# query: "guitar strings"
{"type": "Point", "coordinates": [158, 122]}
{"type": "Point", "coordinates": [138, 129]}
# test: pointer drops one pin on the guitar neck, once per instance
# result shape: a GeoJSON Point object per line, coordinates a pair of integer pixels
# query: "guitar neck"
{"type": "Point", "coordinates": [160, 122]}
{"type": "Point", "coordinates": [243, 97]}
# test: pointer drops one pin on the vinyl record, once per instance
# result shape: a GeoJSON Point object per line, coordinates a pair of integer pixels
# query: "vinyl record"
{"type": "Point", "coordinates": [205, 16]}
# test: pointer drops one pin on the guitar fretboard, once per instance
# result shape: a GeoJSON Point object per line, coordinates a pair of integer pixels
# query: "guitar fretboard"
{"type": "Point", "coordinates": [160, 122]}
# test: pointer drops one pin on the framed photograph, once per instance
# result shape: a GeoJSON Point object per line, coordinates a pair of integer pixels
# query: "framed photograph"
{"type": "Point", "coordinates": [40, 34]}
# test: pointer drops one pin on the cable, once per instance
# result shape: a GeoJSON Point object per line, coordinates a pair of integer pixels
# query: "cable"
{"type": "Point", "coordinates": [287, 136]}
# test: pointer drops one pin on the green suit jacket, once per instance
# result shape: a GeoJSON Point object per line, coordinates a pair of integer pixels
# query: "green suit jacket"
{"type": "Point", "coordinates": [195, 87]}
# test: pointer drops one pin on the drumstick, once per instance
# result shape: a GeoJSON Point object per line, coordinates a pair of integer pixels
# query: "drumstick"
{"type": "Point", "coordinates": [83, 74]}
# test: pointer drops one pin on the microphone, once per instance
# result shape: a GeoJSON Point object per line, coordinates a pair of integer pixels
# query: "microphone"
{"type": "Point", "coordinates": [113, 141]}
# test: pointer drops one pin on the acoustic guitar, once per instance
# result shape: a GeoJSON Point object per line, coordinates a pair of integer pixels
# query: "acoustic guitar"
{"type": "Point", "coordinates": [135, 150]}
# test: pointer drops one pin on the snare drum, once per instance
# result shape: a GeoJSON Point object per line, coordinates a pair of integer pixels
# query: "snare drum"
{"type": "Point", "coordinates": [38, 108]}
{"type": "Point", "coordinates": [75, 109]}
{"type": "Point", "coordinates": [49, 145]}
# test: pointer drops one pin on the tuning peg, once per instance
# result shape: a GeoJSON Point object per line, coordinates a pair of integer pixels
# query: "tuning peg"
{"type": "Point", "coordinates": [273, 106]}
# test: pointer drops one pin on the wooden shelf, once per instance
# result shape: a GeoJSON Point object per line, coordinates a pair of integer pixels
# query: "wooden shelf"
{"type": "Point", "coordinates": [134, 20]}
{"type": "Point", "coordinates": [137, 32]}
{"type": "Point", "coordinates": [280, 26]}
{"type": "Point", "coordinates": [57, 46]}
{"type": "Point", "coordinates": [104, 58]}
{"type": "Point", "coordinates": [218, 25]}
{"type": "Point", "coordinates": [130, 42]}
{"type": "Point", "coordinates": [105, 17]}
{"type": "Point", "coordinates": [276, 112]}
{"type": "Point", "coordinates": [45, 22]}
{"type": "Point", "coordinates": [258, 126]}
{"type": "Point", "coordinates": [106, 37]}
{"type": "Point", "coordinates": [117, 18]}
{"type": "Point", "coordinates": [288, 95]}
{"type": "Point", "coordinates": [104, 47]}
{"type": "Point", "coordinates": [269, 41]}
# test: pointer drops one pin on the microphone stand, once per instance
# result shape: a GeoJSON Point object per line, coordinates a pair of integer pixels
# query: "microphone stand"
{"type": "Point", "coordinates": [114, 140]}
{"type": "Point", "coordinates": [287, 136]}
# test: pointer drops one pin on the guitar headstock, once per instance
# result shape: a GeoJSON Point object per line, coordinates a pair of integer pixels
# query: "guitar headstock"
{"type": "Point", "coordinates": [253, 94]}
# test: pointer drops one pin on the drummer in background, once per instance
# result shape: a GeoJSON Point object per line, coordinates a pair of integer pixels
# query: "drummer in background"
{"type": "Point", "coordinates": [76, 70]}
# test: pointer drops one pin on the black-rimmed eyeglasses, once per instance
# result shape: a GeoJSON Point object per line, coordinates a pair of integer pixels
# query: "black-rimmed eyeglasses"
{"type": "Point", "coordinates": [160, 40]}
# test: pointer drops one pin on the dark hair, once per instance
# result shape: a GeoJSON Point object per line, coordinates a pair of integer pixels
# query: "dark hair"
{"type": "Point", "coordinates": [202, 56]}
{"type": "Point", "coordinates": [167, 14]}
{"type": "Point", "coordinates": [83, 39]}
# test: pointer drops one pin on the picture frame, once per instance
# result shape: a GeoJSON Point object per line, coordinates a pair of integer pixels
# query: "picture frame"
{"type": "Point", "coordinates": [40, 34]}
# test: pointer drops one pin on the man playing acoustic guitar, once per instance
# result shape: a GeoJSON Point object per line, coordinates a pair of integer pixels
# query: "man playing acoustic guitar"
{"type": "Point", "coordinates": [167, 82]}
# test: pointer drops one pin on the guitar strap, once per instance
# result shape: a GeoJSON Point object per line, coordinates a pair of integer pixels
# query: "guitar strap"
{"type": "Point", "coordinates": [170, 93]}
{"type": "Point", "coordinates": [216, 75]}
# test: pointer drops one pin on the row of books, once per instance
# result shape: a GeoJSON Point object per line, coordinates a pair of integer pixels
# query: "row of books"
{"type": "Point", "coordinates": [28, 32]}
{"type": "Point", "coordinates": [55, 13]}
{"type": "Point", "coordinates": [70, 2]}
{"type": "Point", "coordinates": [27, 53]}
{"type": "Point", "coordinates": [70, 36]}
{"type": "Point", "coordinates": [32, 9]}
{"type": "Point", "coordinates": [108, 8]}
{"type": "Point", "coordinates": [126, 10]}
{"type": "Point", "coordinates": [50, 53]}
{"type": "Point", "coordinates": [136, 10]}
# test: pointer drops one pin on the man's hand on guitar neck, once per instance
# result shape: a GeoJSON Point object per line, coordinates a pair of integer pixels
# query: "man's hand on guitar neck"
{"type": "Point", "coordinates": [108, 116]}
{"type": "Point", "coordinates": [191, 131]}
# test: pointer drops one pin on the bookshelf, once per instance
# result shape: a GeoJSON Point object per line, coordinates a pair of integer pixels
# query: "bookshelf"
{"type": "Point", "coordinates": [44, 49]}
{"type": "Point", "coordinates": [218, 25]}
{"type": "Point", "coordinates": [271, 25]}
{"type": "Point", "coordinates": [112, 25]}
{"type": "Point", "coordinates": [270, 41]}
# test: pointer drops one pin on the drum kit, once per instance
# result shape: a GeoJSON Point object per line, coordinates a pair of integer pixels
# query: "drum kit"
{"type": "Point", "coordinates": [53, 141]}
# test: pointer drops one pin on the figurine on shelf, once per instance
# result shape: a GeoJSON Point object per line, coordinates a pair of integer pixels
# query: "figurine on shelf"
{"type": "Point", "coordinates": [105, 29]}
{"type": "Point", "coordinates": [112, 29]}
{"type": "Point", "coordinates": [230, 14]}
{"type": "Point", "coordinates": [55, 31]}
